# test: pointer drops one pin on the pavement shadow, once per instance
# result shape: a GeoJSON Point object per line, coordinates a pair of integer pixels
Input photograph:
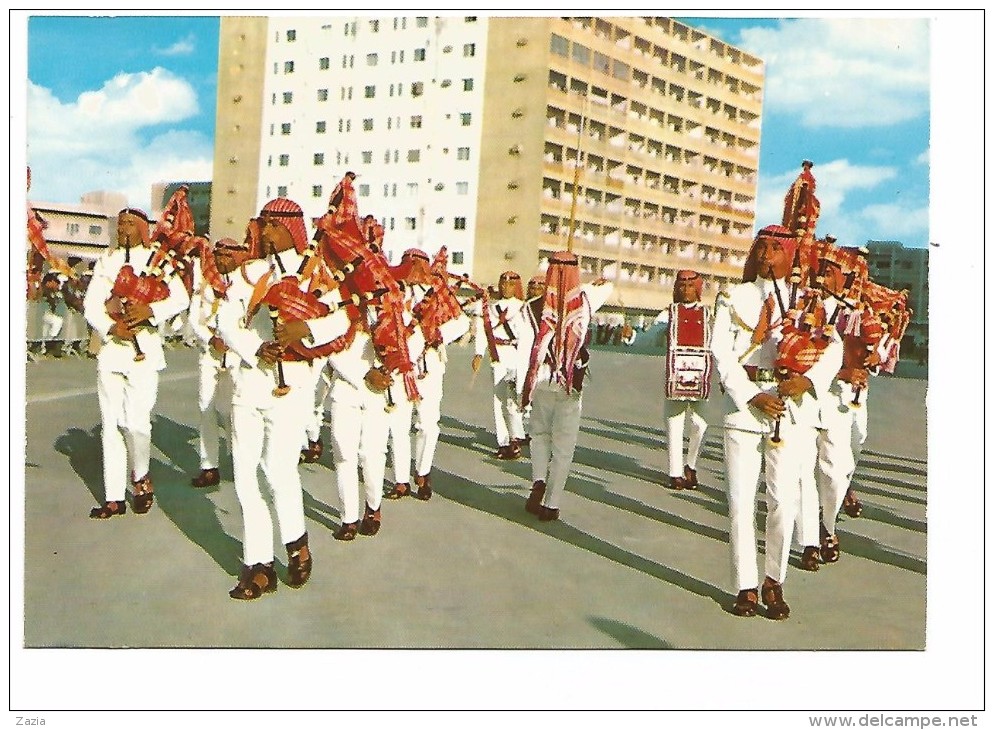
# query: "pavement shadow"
{"type": "Point", "coordinates": [902, 459]}
{"type": "Point", "coordinates": [324, 514]}
{"type": "Point", "coordinates": [510, 507]}
{"type": "Point", "coordinates": [190, 509]}
{"type": "Point", "coordinates": [899, 468]}
{"type": "Point", "coordinates": [627, 635]}
{"type": "Point", "coordinates": [866, 547]}
{"type": "Point", "coordinates": [84, 450]}
{"type": "Point", "coordinates": [866, 484]}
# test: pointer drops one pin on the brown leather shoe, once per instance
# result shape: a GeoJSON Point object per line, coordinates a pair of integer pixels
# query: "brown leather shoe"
{"type": "Point", "coordinates": [206, 478]}
{"type": "Point", "coordinates": [370, 524]}
{"type": "Point", "coordinates": [143, 497]}
{"type": "Point", "coordinates": [509, 453]}
{"type": "Point", "coordinates": [534, 502]}
{"type": "Point", "coordinates": [299, 562]}
{"type": "Point", "coordinates": [347, 531]}
{"type": "Point", "coordinates": [689, 478]}
{"type": "Point", "coordinates": [811, 558]}
{"type": "Point", "coordinates": [851, 504]}
{"type": "Point", "coordinates": [254, 581]}
{"type": "Point", "coordinates": [313, 452]}
{"type": "Point", "coordinates": [109, 509]}
{"type": "Point", "coordinates": [423, 483]}
{"type": "Point", "coordinates": [401, 489]}
{"type": "Point", "coordinates": [746, 602]}
{"type": "Point", "coordinates": [677, 483]}
{"type": "Point", "coordinates": [776, 608]}
{"type": "Point", "coordinates": [829, 547]}
{"type": "Point", "coordinates": [548, 514]}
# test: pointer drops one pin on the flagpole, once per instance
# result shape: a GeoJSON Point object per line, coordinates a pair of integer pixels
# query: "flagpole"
{"type": "Point", "coordinates": [576, 174]}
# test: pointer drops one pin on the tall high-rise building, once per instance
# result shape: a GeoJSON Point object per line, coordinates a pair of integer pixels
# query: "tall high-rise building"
{"type": "Point", "coordinates": [634, 140]}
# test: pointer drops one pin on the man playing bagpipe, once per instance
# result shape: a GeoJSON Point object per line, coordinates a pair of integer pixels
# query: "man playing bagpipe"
{"type": "Point", "coordinates": [212, 278]}
{"type": "Point", "coordinates": [774, 359]}
{"type": "Point", "coordinates": [502, 324]}
{"type": "Point", "coordinates": [132, 291]}
{"type": "Point", "coordinates": [441, 321]}
{"type": "Point", "coordinates": [558, 359]}
{"type": "Point", "coordinates": [688, 377]}
{"type": "Point", "coordinates": [890, 309]}
{"type": "Point", "coordinates": [276, 324]}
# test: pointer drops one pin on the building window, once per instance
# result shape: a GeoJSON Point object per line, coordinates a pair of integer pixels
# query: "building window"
{"type": "Point", "coordinates": [462, 188]}
{"type": "Point", "coordinates": [462, 153]}
{"type": "Point", "coordinates": [469, 49]}
{"type": "Point", "coordinates": [386, 189]}
{"type": "Point", "coordinates": [370, 92]}
{"type": "Point", "coordinates": [291, 35]}
{"type": "Point", "coordinates": [73, 228]}
{"type": "Point", "coordinates": [410, 223]}
{"type": "Point", "coordinates": [287, 97]}
{"type": "Point", "coordinates": [422, 21]}
{"type": "Point", "coordinates": [364, 191]}
{"type": "Point", "coordinates": [414, 155]}
{"type": "Point", "coordinates": [465, 118]}
{"type": "Point", "coordinates": [324, 63]}
{"type": "Point", "coordinates": [470, 18]}
{"type": "Point", "coordinates": [372, 59]}
{"type": "Point", "coordinates": [367, 125]}
{"type": "Point", "coordinates": [417, 88]}
{"type": "Point", "coordinates": [322, 95]}
{"type": "Point", "coordinates": [281, 191]}
{"type": "Point", "coordinates": [459, 223]}
{"type": "Point", "coordinates": [284, 160]}
{"type": "Point", "coordinates": [389, 122]}
{"type": "Point", "coordinates": [416, 121]}
{"type": "Point", "coordinates": [319, 158]}
{"type": "Point", "coordinates": [288, 67]}
{"type": "Point", "coordinates": [412, 189]}
{"type": "Point", "coordinates": [374, 26]}
{"type": "Point", "coordinates": [581, 54]}
{"type": "Point", "coordinates": [367, 157]}
{"type": "Point", "coordinates": [467, 84]}
{"type": "Point", "coordinates": [316, 191]}
{"type": "Point", "coordinates": [457, 257]}
{"type": "Point", "coordinates": [419, 54]}
{"type": "Point", "coordinates": [95, 230]}
{"type": "Point", "coordinates": [559, 45]}
{"type": "Point", "coordinates": [400, 57]}
{"type": "Point", "coordinates": [285, 128]}
{"type": "Point", "coordinates": [386, 157]}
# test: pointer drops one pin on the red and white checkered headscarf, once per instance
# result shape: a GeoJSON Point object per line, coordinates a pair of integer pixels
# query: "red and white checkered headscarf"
{"type": "Point", "coordinates": [784, 236]}
{"type": "Point", "coordinates": [689, 275]}
{"type": "Point", "coordinates": [512, 276]}
{"type": "Point", "coordinates": [564, 327]}
{"type": "Point", "coordinates": [291, 216]}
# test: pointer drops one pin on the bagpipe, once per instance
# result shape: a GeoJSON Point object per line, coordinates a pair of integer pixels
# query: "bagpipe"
{"type": "Point", "coordinates": [439, 305]}
{"type": "Point", "coordinates": [364, 277]}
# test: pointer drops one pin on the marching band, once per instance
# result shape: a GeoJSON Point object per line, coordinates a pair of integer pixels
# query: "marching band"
{"type": "Point", "coordinates": [284, 320]}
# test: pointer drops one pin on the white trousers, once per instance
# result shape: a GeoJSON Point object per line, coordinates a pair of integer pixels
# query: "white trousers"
{"type": "Point", "coordinates": [784, 467]}
{"type": "Point", "coordinates": [839, 447]}
{"type": "Point", "coordinates": [679, 414]}
{"type": "Point", "coordinates": [399, 434]}
{"type": "Point", "coordinates": [555, 426]}
{"type": "Point", "coordinates": [126, 403]}
{"type": "Point", "coordinates": [214, 400]}
{"type": "Point", "coordinates": [506, 401]}
{"type": "Point", "coordinates": [359, 432]}
{"type": "Point", "coordinates": [427, 414]}
{"type": "Point", "coordinates": [269, 438]}
{"type": "Point", "coordinates": [322, 387]}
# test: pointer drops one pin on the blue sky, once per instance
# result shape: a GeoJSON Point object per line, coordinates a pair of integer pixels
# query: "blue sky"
{"type": "Point", "coordinates": [135, 101]}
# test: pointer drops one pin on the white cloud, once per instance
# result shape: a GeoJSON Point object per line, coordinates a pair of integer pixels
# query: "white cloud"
{"type": "Point", "coordinates": [845, 72]}
{"type": "Point", "coordinates": [182, 47]}
{"type": "Point", "coordinates": [97, 142]}
{"type": "Point", "coordinates": [841, 186]}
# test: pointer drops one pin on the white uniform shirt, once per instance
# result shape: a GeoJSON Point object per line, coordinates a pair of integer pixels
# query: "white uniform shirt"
{"type": "Point", "coordinates": [118, 355]}
{"type": "Point", "coordinates": [737, 313]}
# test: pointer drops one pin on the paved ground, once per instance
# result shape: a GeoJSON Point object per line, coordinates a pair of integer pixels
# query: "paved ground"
{"type": "Point", "coordinates": [630, 564]}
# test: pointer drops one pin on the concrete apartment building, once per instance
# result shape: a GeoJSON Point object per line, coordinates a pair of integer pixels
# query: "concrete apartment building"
{"type": "Point", "coordinates": [472, 132]}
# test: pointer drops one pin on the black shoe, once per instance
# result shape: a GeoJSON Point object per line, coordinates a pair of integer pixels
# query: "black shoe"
{"type": "Point", "coordinates": [746, 602]}
{"type": "Point", "coordinates": [254, 581]}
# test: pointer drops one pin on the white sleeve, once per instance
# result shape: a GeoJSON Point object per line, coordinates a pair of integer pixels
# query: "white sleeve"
{"type": "Point", "coordinates": [732, 375]}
